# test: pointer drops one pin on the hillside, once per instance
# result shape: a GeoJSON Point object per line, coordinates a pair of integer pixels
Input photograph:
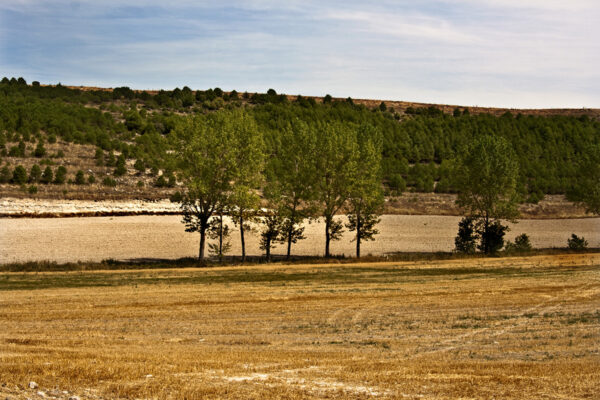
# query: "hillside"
{"type": "Point", "coordinates": [114, 143]}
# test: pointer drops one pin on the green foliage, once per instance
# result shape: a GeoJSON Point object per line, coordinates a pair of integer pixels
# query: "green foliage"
{"type": "Point", "coordinates": [60, 176]}
{"type": "Point", "coordinates": [290, 174]}
{"type": "Point", "coordinates": [466, 239]}
{"type": "Point", "coordinates": [577, 243]}
{"type": "Point", "coordinates": [32, 189]}
{"type": "Point", "coordinates": [35, 174]}
{"type": "Point", "coordinates": [586, 189]}
{"type": "Point", "coordinates": [109, 182]}
{"type": "Point", "coordinates": [47, 176]}
{"type": "Point", "coordinates": [365, 201]}
{"type": "Point", "coordinates": [140, 166]}
{"type": "Point", "coordinates": [270, 234]}
{"type": "Point", "coordinates": [521, 244]}
{"type": "Point", "coordinates": [486, 179]}
{"type": "Point", "coordinates": [120, 169]}
{"type": "Point", "coordinates": [99, 157]}
{"type": "Point", "coordinates": [5, 175]}
{"type": "Point", "coordinates": [19, 175]}
{"type": "Point", "coordinates": [491, 237]}
{"type": "Point", "coordinates": [337, 158]}
{"type": "Point", "coordinates": [91, 179]}
{"type": "Point", "coordinates": [40, 150]}
{"type": "Point", "coordinates": [79, 178]}
{"type": "Point", "coordinates": [207, 154]}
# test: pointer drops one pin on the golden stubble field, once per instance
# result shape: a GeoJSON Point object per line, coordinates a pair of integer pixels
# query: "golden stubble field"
{"type": "Point", "coordinates": [479, 328]}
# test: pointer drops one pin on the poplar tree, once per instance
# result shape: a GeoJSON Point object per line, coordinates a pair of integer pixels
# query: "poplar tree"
{"type": "Point", "coordinates": [365, 201]}
{"type": "Point", "coordinates": [206, 154]}
{"type": "Point", "coordinates": [291, 179]}
{"type": "Point", "coordinates": [486, 180]}
{"type": "Point", "coordinates": [245, 200]}
{"type": "Point", "coordinates": [337, 161]}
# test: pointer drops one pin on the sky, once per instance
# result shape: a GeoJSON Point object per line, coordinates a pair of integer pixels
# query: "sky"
{"type": "Point", "coordinates": [504, 53]}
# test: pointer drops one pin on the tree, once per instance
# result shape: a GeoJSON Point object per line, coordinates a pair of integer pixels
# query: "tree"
{"type": "Point", "coordinates": [244, 200]}
{"type": "Point", "coordinates": [337, 160]}
{"type": "Point", "coordinates": [47, 175]}
{"type": "Point", "coordinates": [206, 155]}
{"type": "Point", "coordinates": [486, 181]}
{"type": "Point", "coordinates": [219, 231]}
{"type": "Point", "coordinates": [61, 175]}
{"type": "Point", "coordinates": [35, 174]}
{"type": "Point", "coordinates": [465, 241]}
{"type": "Point", "coordinates": [290, 179]}
{"type": "Point", "coordinates": [39, 151]}
{"type": "Point", "coordinates": [19, 175]}
{"type": "Point", "coordinates": [120, 169]}
{"type": "Point", "coordinates": [79, 178]}
{"type": "Point", "coordinates": [270, 234]}
{"type": "Point", "coordinates": [586, 188]}
{"type": "Point", "coordinates": [365, 201]}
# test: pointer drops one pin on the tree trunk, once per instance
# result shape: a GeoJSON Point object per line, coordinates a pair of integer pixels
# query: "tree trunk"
{"type": "Point", "coordinates": [486, 238]}
{"type": "Point", "coordinates": [327, 236]}
{"type": "Point", "coordinates": [268, 249]}
{"type": "Point", "coordinates": [242, 237]}
{"type": "Point", "coordinates": [289, 244]}
{"type": "Point", "coordinates": [358, 228]}
{"type": "Point", "coordinates": [202, 241]}
{"type": "Point", "coordinates": [221, 237]}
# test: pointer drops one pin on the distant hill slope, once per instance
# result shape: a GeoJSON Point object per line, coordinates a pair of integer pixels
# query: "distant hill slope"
{"type": "Point", "coordinates": [402, 106]}
{"type": "Point", "coordinates": [113, 141]}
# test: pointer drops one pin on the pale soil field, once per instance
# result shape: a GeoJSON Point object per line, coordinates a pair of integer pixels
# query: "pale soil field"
{"type": "Point", "coordinates": [164, 237]}
{"type": "Point", "coordinates": [510, 328]}
{"type": "Point", "coordinates": [109, 203]}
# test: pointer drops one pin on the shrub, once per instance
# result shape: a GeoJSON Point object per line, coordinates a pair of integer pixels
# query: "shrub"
{"type": "Point", "coordinates": [577, 243]}
{"type": "Point", "coordinates": [52, 138]}
{"type": "Point", "coordinates": [120, 170]}
{"type": "Point", "coordinates": [35, 174]}
{"type": "Point", "coordinates": [139, 166]}
{"type": "Point", "coordinates": [19, 175]}
{"type": "Point", "coordinates": [109, 182]}
{"type": "Point", "coordinates": [99, 157]}
{"type": "Point", "coordinates": [32, 189]}
{"type": "Point", "coordinates": [465, 240]}
{"type": "Point", "coordinates": [40, 150]}
{"type": "Point", "coordinates": [5, 175]}
{"type": "Point", "coordinates": [60, 154]}
{"type": "Point", "coordinates": [140, 184]}
{"type": "Point", "coordinates": [79, 178]}
{"type": "Point", "coordinates": [61, 175]}
{"type": "Point", "coordinates": [91, 179]}
{"type": "Point", "coordinates": [47, 176]}
{"type": "Point", "coordinates": [492, 239]}
{"type": "Point", "coordinates": [161, 182]}
{"type": "Point", "coordinates": [521, 244]}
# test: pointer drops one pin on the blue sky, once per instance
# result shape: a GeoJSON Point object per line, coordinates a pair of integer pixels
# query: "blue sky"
{"type": "Point", "coordinates": [512, 53]}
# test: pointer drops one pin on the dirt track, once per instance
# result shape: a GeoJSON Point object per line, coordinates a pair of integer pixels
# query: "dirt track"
{"type": "Point", "coordinates": [98, 238]}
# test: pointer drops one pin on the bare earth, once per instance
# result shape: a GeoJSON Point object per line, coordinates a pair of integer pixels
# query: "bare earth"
{"type": "Point", "coordinates": [507, 328]}
{"type": "Point", "coordinates": [134, 237]}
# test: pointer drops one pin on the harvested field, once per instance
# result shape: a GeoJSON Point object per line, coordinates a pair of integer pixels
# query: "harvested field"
{"type": "Point", "coordinates": [510, 328]}
{"type": "Point", "coordinates": [164, 237]}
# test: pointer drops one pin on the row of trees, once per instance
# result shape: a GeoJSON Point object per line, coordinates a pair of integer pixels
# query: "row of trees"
{"type": "Point", "coordinates": [312, 171]}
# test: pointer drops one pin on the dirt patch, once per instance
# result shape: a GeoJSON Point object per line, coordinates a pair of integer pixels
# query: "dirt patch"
{"type": "Point", "coordinates": [164, 237]}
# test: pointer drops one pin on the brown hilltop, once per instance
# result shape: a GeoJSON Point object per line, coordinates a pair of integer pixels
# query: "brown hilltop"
{"type": "Point", "coordinates": [402, 106]}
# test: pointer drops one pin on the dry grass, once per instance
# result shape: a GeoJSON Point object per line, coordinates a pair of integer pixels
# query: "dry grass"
{"type": "Point", "coordinates": [482, 328]}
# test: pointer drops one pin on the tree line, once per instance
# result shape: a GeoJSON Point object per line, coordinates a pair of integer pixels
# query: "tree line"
{"type": "Point", "coordinates": [312, 171]}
